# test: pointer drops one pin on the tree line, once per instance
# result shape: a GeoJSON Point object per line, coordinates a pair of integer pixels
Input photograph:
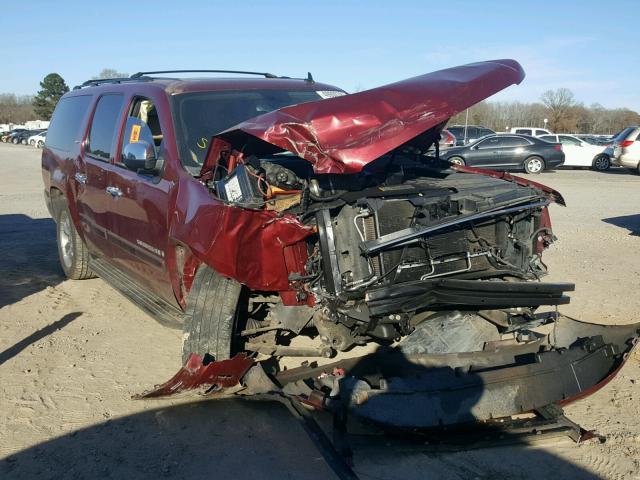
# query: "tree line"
{"type": "Point", "coordinates": [563, 112]}
{"type": "Point", "coordinates": [19, 109]}
{"type": "Point", "coordinates": [561, 109]}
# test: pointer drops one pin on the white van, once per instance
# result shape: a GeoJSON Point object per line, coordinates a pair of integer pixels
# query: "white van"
{"type": "Point", "coordinates": [534, 132]}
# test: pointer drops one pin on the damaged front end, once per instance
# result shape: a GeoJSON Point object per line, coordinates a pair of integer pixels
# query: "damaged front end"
{"type": "Point", "coordinates": [437, 268]}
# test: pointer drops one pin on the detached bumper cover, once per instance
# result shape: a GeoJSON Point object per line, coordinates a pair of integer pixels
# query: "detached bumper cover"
{"type": "Point", "coordinates": [392, 388]}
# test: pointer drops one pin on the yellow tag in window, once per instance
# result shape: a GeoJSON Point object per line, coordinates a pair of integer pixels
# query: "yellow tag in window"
{"type": "Point", "coordinates": [135, 134]}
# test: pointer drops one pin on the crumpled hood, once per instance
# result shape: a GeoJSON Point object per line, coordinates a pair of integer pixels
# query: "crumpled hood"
{"type": "Point", "coordinates": [343, 134]}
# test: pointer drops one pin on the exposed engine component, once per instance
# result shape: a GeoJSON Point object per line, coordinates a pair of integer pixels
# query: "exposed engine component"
{"type": "Point", "coordinates": [389, 245]}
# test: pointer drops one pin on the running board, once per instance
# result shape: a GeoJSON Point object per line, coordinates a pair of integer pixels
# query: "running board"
{"type": "Point", "coordinates": [161, 311]}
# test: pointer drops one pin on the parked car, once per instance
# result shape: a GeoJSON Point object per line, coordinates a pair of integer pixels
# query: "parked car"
{"type": "Point", "coordinates": [8, 137]}
{"type": "Point", "coordinates": [469, 133]}
{"type": "Point", "coordinates": [534, 132]}
{"type": "Point", "coordinates": [579, 153]}
{"type": "Point", "coordinates": [508, 152]}
{"type": "Point", "coordinates": [447, 139]}
{"type": "Point", "coordinates": [33, 139]}
{"type": "Point", "coordinates": [39, 139]}
{"type": "Point", "coordinates": [625, 150]}
{"type": "Point", "coordinates": [22, 138]}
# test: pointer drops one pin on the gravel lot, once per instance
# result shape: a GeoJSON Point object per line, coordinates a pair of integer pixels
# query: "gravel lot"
{"type": "Point", "coordinates": [73, 353]}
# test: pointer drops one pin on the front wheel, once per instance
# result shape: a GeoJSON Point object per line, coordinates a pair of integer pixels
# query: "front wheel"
{"type": "Point", "coordinates": [40, 144]}
{"type": "Point", "coordinates": [457, 161]}
{"type": "Point", "coordinates": [212, 315]}
{"type": "Point", "coordinates": [73, 253]}
{"type": "Point", "coordinates": [534, 165]}
{"type": "Point", "coordinates": [601, 163]}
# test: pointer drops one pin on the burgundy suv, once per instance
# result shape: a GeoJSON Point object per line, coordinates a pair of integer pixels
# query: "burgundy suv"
{"type": "Point", "coordinates": [254, 212]}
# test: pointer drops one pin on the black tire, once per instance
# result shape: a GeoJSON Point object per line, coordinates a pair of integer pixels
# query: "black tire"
{"type": "Point", "coordinates": [212, 306]}
{"type": "Point", "coordinates": [456, 160]}
{"type": "Point", "coordinates": [72, 252]}
{"type": "Point", "coordinates": [40, 144]}
{"type": "Point", "coordinates": [601, 163]}
{"type": "Point", "coordinates": [14, 141]}
{"type": "Point", "coordinates": [534, 165]}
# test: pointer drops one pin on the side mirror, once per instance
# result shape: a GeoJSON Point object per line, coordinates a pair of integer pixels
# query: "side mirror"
{"type": "Point", "coordinates": [139, 155]}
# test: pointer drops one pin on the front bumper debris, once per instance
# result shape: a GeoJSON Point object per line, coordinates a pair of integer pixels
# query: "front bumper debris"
{"type": "Point", "coordinates": [392, 387]}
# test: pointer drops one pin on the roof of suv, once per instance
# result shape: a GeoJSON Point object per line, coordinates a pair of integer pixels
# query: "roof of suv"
{"type": "Point", "coordinates": [184, 85]}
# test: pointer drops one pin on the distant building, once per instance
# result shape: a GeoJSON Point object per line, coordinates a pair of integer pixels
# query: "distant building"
{"type": "Point", "coordinates": [36, 124]}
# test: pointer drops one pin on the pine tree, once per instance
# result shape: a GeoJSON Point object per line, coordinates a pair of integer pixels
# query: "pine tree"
{"type": "Point", "coordinates": [53, 87]}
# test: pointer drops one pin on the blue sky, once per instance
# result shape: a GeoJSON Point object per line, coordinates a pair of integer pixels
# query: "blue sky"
{"type": "Point", "coordinates": [588, 46]}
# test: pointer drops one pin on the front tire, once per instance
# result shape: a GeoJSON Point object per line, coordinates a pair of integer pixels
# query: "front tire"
{"type": "Point", "coordinates": [212, 307]}
{"type": "Point", "coordinates": [534, 165]}
{"type": "Point", "coordinates": [72, 251]}
{"type": "Point", "coordinates": [457, 161]}
{"type": "Point", "coordinates": [601, 163]}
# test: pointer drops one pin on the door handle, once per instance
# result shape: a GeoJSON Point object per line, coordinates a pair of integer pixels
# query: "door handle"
{"type": "Point", "coordinates": [114, 191]}
{"type": "Point", "coordinates": [80, 178]}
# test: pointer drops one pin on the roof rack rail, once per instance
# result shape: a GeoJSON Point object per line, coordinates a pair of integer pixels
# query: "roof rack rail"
{"type": "Point", "coordinates": [99, 81]}
{"type": "Point", "coordinates": [263, 74]}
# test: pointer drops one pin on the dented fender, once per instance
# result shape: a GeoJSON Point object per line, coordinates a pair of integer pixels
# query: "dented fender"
{"type": "Point", "coordinates": [250, 246]}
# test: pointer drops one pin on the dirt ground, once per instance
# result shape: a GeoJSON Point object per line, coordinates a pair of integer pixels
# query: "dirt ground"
{"type": "Point", "coordinates": [73, 353]}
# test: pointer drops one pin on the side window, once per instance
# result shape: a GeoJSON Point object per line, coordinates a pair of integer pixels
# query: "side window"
{"type": "Point", "coordinates": [493, 142]}
{"type": "Point", "coordinates": [514, 142]}
{"type": "Point", "coordinates": [472, 132]}
{"type": "Point", "coordinates": [524, 131]}
{"type": "Point", "coordinates": [541, 132]}
{"type": "Point", "coordinates": [142, 125]}
{"type": "Point", "coordinates": [564, 140]}
{"type": "Point", "coordinates": [67, 121]}
{"type": "Point", "coordinates": [485, 131]}
{"type": "Point", "coordinates": [104, 126]}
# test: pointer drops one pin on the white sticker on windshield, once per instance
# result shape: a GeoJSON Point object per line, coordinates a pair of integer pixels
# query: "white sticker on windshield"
{"type": "Point", "coordinates": [329, 93]}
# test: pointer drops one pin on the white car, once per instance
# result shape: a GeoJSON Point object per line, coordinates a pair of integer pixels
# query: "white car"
{"type": "Point", "coordinates": [38, 139]}
{"type": "Point", "coordinates": [578, 153]}
{"type": "Point", "coordinates": [534, 132]}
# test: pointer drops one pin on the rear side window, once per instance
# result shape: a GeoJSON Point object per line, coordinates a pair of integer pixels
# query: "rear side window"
{"type": "Point", "coordinates": [624, 134]}
{"type": "Point", "coordinates": [67, 121]}
{"type": "Point", "coordinates": [524, 131]}
{"type": "Point", "coordinates": [104, 126]}
{"type": "Point", "coordinates": [569, 141]}
{"type": "Point", "coordinates": [541, 132]}
{"type": "Point", "coordinates": [514, 142]}
{"type": "Point", "coordinates": [486, 131]}
{"type": "Point", "coordinates": [493, 142]}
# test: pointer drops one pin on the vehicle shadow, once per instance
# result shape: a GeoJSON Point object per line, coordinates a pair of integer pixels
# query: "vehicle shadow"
{"type": "Point", "coordinates": [630, 222]}
{"type": "Point", "coordinates": [29, 257]}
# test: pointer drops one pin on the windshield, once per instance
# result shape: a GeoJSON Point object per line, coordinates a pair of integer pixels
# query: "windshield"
{"type": "Point", "coordinates": [200, 115]}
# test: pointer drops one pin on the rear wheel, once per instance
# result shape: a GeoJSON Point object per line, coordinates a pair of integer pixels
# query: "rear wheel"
{"type": "Point", "coordinates": [534, 165]}
{"type": "Point", "coordinates": [212, 307]}
{"type": "Point", "coordinates": [40, 144]}
{"type": "Point", "coordinates": [457, 161]}
{"type": "Point", "coordinates": [73, 253]}
{"type": "Point", "coordinates": [601, 163]}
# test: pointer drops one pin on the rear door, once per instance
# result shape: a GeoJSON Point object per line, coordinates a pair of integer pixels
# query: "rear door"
{"type": "Point", "coordinates": [514, 150]}
{"type": "Point", "coordinates": [575, 154]}
{"type": "Point", "coordinates": [92, 173]}
{"type": "Point", "coordinates": [140, 205]}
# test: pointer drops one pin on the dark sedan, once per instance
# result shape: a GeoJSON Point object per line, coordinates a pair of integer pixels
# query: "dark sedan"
{"type": "Point", "coordinates": [508, 152]}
